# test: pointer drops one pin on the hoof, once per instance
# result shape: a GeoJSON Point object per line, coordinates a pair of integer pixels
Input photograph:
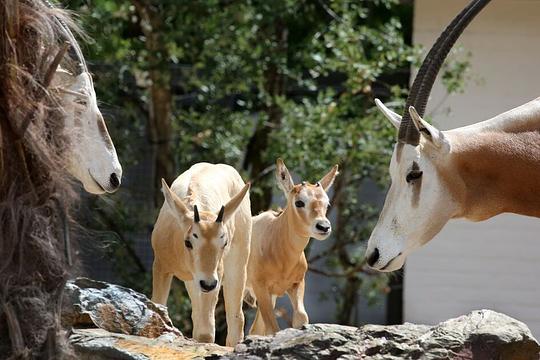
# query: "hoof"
{"type": "Point", "coordinates": [205, 338]}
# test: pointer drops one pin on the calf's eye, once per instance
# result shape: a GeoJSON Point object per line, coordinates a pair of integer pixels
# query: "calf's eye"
{"type": "Point", "coordinates": [188, 244]}
{"type": "Point", "coordinates": [300, 204]}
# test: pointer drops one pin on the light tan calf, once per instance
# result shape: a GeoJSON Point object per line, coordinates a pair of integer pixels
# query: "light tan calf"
{"type": "Point", "coordinates": [206, 246]}
{"type": "Point", "coordinates": [277, 263]}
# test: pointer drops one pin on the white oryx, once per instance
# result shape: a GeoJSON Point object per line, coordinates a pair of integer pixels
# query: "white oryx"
{"type": "Point", "coordinates": [474, 172]}
{"type": "Point", "coordinates": [277, 263]}
{"type": "Point", "coordinates": [92, 157]}
{"type": "Point", "coordinates": [202, 237]}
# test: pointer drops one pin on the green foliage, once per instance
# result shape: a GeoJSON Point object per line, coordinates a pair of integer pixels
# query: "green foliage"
{"type": "Point", "coordinates": [456, 71]}
{"type": "Point", "coordinates": [302, 73]}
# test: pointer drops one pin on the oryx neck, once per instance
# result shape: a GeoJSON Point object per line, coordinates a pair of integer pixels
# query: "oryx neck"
{"type": "Point", "coordinates": [497, 172]}
{"type": "Point", "coordinates": [295, 234]}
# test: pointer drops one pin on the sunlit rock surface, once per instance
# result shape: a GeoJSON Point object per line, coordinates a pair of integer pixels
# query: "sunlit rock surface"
{"type": "Point", "coordinates": [99, 344]}
{"type": "Point", "coordinates": [90, 303]}
{"type": "Point", "coordinates": [483, 334]}
{"type": "Point", "coordinates": [107, 321]}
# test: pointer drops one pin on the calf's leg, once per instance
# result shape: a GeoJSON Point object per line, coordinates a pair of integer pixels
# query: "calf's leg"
{"type": "Point", "coordinates": [296, 295]}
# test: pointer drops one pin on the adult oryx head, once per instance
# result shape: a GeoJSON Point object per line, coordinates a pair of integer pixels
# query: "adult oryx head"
{"type": "Point", "coordinates": [92, 157]}
{"type": "Point", "coordinates": [419, 202]}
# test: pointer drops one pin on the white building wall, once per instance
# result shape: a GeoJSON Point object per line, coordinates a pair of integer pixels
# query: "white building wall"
{"type": "Point", "coordinates": [493, 264]}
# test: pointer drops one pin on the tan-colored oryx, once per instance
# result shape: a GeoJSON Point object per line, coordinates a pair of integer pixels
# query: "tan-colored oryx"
{"type": "Point", "coordinates": [277, 263]}
{"type": "Point", "coordinates": [202, 237]}
{"type": "Point", "coordinates": [474, 172]}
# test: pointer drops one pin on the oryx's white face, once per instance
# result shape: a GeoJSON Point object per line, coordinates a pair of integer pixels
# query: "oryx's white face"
{"type": "Point", "coordinates": [309, 203]}
{"type": "Point", "coordinates": [206, 237]}
{"type": "Point", "coordinates": [418, 203]}
{"type": "Point", "coordinates": [205, 243]}
{"type": "Point", "coordinates": [92, 156]}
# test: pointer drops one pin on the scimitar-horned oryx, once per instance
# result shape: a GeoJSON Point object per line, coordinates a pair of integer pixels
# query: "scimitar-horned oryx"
{"type": "Point", "coordinates": [92, 157]}
{"type": "Point", "coordinates": [473, 172]}
{"type": "Point", "coordinates": [202, 237]}
{"type": "Point", "coordinates": [277, 263]}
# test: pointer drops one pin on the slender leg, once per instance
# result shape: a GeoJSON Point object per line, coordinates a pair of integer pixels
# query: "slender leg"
{"type": "Point", "coordinates": [296, 294]}
{"type": "Point", "coordinates": [161, 284]}
{"type": "Point", "coordinates": [257, 328]}
{"type": "Point", "coordinates": [206, 327]}
{"type": "Point", "coordinates": [234, 280]}
{"type": "Point", "coordinates": [194, 295]}
{"type": "Point", "coordinates": [265, 305]}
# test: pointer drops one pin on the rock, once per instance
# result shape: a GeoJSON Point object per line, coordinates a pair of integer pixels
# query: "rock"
{"type": "Point", "coordinates": [482, 334]}
{"type": "Point", "coordinates": [121, 314]}
{"type": "Point", "coordinates": [99, 344]}
{"type": "Point", "coordinates": [90, 303]}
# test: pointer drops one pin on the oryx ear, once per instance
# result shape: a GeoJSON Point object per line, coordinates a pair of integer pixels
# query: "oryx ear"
{"type": "Point", "coordinates": [394, 118]}
{"type": "Point", "coordinates": [283, 177]}
{"type": "Point", "coordinates": [230, 208]}
{"type": "Point", "coordinates": [176, 206]}
{"type": "Point", "coordinates": [328, 179]}
{"type": "Point", "coordinates": [428, 131]}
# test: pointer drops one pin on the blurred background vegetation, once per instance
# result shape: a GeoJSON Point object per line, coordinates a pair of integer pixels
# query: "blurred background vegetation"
{"type": "Point", "coordinates": [245, 82]}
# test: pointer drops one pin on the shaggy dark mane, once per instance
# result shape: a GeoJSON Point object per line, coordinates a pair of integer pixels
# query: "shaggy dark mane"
{"type": "Point", "coordinates": [35, 192]}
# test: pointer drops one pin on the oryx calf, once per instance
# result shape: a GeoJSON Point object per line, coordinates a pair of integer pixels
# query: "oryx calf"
{"type": "Point", "coordinates": [202, 236]}
{"type": "Point", "coordinates": [277, 263]}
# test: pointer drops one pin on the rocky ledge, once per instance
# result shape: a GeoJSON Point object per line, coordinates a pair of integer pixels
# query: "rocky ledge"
{"type": "Point", "coordinates": [112, 322]}
{"type": "Point", "coordinates": [482, 334]}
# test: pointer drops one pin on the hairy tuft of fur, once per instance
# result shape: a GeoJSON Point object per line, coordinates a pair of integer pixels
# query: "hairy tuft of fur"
{"type": "Point", "coordinates": [35, 191]}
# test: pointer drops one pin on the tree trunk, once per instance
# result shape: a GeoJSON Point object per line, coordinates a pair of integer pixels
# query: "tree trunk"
{"type": "Point", "coordinates": [255, 160]}
{"type": "Point", "coordinates": [159, 126]}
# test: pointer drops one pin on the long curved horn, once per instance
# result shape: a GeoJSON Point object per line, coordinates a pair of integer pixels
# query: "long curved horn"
{"type": "Point", "coordinates": [444, 50]}
{"type": "Point", "coordinates": [423, 83]}
{"type": "Point", "coordinates": [413, 93]}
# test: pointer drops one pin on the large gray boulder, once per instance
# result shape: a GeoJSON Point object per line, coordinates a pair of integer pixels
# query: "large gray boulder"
{"type": "Point", "coordinates": [106, 322]}
{"type": "Point", "coordinates": [112, 322]}
{"type": "Point", "coordinates": [482, 334]}
{"type": "Point", "coordinates": [91, 303]}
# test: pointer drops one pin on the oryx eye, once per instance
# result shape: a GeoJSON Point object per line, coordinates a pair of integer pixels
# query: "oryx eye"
{"type": "Point", "coordinates": [188, 244]}
{"type": "Point", "coordinates": [226, 240]}
{"type": "Point", "coordinates": [300, 204]}
{"type": "Point", "coordinates": [413, 175]}
{"type": "Point", "coordinates": [80, 101]}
